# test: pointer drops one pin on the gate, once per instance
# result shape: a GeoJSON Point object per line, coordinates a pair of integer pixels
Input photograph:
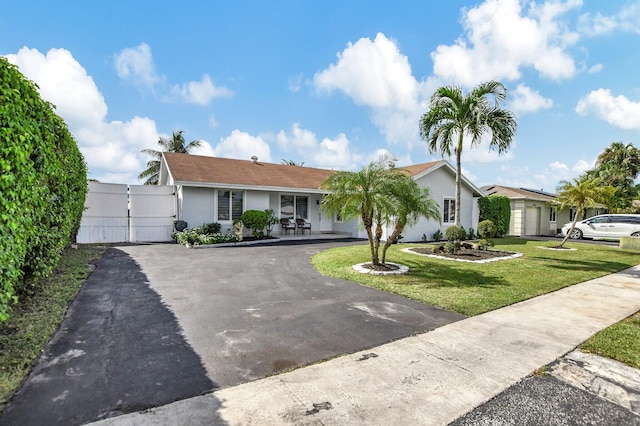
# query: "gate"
{"type": "Point", "coordinates": [117, 213]}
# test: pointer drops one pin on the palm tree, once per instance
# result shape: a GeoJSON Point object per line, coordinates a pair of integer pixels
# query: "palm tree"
{"type": "Point", "coordinates": [361, 194]}
{"type": "Point", "coordinates": [174, 144]}
{"type": "Point", "coordinates": [291, 163]}
{"type": "Point", "coordinates": [452, 115]}
{"type": "Point", "coordinates": [619, 165]}
{"type": "Point", "coordinates": [410, 202]}
{"type": "Point", "coordinates": [583, 193]}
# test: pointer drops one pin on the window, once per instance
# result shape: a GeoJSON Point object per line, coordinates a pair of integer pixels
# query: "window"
{"type": "Point", "coordinates": [552, 214]}
{"type": "Point", "coordinates": [294, 203]}
{"type": "Point", "coordinates": [449, 214]}
{"type": "Point", "coordinates": [230, 204]}
{"type": "Point", "coordinates": [572, 214]}
{"type": "Point", "coordinates": [338, 217]}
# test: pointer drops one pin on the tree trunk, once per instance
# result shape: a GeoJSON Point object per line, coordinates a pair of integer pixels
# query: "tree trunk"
{"type": "Point", "coordinates": [458, 152]}
{"type": "Point", "coordinates": [573, 225]}
{"type": "Point", "coordinates": [368, 223]}
{"type": "Point", "coordinates": [377, 238]}
{"type": "Point", "coordinates": [397, 230]}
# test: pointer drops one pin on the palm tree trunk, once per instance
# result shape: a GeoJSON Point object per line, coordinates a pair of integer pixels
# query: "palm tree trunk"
{"type": "Point", "coordinates": [397, 230]}
{"type": "Point", "coordinates": [573, 225]}
{"type": "Point", "coordinates": [368, 224]}
{"type": "Point", "coordinates": [376, 241]}
{"type": "Point", "coordinates": [458, 152]}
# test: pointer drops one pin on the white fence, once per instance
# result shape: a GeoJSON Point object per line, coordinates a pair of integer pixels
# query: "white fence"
{"type": "Point", "coordinates": [116, 213]}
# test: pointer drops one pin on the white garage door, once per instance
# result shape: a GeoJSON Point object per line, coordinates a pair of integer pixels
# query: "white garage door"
{"type": "Point", "coordinates": [532, 225]}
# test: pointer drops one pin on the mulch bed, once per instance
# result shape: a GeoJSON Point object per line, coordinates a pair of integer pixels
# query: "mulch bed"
{"type": "Point", "coordinates": [384, 267]}
{"type": "Point", "coordinates": [465, 254]}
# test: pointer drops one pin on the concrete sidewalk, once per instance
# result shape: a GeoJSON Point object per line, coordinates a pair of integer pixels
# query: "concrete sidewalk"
{"type": "Point", "coordinates": [428, 379]}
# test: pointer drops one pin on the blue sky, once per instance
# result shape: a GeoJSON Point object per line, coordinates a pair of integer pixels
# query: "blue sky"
{"type": "Point", "coordinates": [332, 84]}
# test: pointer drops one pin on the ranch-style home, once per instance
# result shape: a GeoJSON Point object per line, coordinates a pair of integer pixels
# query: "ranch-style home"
{"type": "Point", "coordinates": [531, 213]}
{"type": "Point", "coordinates": [212, 189]}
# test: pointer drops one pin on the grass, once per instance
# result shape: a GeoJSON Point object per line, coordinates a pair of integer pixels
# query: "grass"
{"type": "Point", "coordinates": [472, 289]}
{"type": "Point", "coordinates": [38, 315]}
{"type": "Point", "coordinates": [621, 341]}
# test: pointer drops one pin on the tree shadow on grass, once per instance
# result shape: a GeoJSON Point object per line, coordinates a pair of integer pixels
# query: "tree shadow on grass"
{"type": "Point", "coordinates": [438, 275]}
{"type": "Point", "coordinates": [603, 266]}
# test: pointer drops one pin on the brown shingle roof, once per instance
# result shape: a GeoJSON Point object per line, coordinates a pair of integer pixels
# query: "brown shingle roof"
{"type": "Point", "coordinates": [519, 193]}
{"type": "Point", "coordinates": [215, 170]}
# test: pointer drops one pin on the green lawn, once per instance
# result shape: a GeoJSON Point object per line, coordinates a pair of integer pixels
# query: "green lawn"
{"type": "Point", "coordinates": [621, 341]}
{"type": "Point", "coordinates": [37, 317]}
{"type": "Point", "coordinates": [470, 288]}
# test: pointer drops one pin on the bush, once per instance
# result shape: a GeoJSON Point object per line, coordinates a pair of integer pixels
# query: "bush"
{"type": "Point", "coordinates": [454, 233]}
{"type": "Point", "coordinates": [452, 246]}
{"type": "Point", "coordinates": [256, 220]}
{"type": "Point", "coordinates": [437, 236]}
{"type": "Point", "coordinates": [471, 234]}
{"type": "Point", "coordinates": [497, 209]}
{"type": "Point", "coordinates": [197, 237]}
{"type": "Point", "coordinates": [486, 231]}
{"type": "Point", "coordinates": [211, 228]}
{"type": "Point", "coordinates": [43, 182]}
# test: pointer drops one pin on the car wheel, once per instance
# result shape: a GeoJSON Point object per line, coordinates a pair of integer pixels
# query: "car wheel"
{"type": "Point", "coordinates": [576, 234]}
{"type": "Point", "coordinates": [636, 234]}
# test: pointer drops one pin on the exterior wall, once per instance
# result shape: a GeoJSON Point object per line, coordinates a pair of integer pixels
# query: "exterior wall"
{"type": "Point", "coordinates": [442, 185]}
{"type": "Point", "coordinates": [518, 211]}
{"type": "Point", "coordinates": [197, 206]}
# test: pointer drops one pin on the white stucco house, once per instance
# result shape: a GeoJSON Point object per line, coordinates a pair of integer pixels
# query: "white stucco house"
{"type": "Point", "coordinates": [212, 189]}
{"type": "Point", "coordinates": [530, 212]}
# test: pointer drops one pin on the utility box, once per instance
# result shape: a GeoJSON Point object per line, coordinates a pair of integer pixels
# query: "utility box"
{"type": "Point", "coordinates": [630, 243]}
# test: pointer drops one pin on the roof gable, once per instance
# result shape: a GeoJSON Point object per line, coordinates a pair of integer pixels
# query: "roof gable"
{"type": "Point", "coordinates": [518, 193]}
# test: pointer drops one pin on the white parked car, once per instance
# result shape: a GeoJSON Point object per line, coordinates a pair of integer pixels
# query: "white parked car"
{"type": "Point", "coordinates": [609, 226]}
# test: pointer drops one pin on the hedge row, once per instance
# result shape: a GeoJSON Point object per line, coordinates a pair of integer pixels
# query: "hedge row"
{"type": "Point", "coordinates": [497, 209]}
{"type": "Point", "coordinates": [43, 183]}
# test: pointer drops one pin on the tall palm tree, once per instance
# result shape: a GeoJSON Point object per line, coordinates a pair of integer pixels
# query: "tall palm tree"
{"type": "Point", "coordinates": [582, 193]}
{"type": "Point", "coordinates": [410, 203]}
{"type": "Point", "coordinates": [174, 144]}
{"type": "Point", "coordinates": [452, 115]}
{"type": "Point", "coordinates": [619, 165]}
{"type": "Point", "coordinates": [361, 194]}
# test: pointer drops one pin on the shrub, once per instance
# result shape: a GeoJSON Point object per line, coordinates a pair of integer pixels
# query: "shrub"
{"type": "Point", "coordinates": [497, 209]}
{"type": "Point", "coordinates": [211, 228]}
{"type": "Point", "coordinates": [256, 220]}
{"type": "Point", "coordinates": [454, 233]}
{"type": "Point", "coordinates": [272, 219]}
{"type": "Point", "coordinates": [486, 231]}
{"type": "Point", "coordinates": [437, 236]}
{"type": "Point", "coordinates": [43, 182]}
{"type": "Point", "coordinates": [452, 246]}
{"type": "Point", "coordinates": [197, 237]}
{"type": "Point", "coordinates": [471, 235]}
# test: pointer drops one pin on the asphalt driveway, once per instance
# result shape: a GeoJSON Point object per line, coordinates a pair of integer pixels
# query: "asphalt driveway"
{"type": "Point", "coordinates": [159, 323]}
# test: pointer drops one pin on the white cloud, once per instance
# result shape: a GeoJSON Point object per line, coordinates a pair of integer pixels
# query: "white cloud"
{"type": "Point", "coordinates": [500, 39]}
{"type": "Point", "coordinates": [111, 149]}
{"type": "Point", "coordinates": [595, 69]}
{"type": "Point", "coordinates": [626, 19]}
{"type": "Point", "coordinates": [618, 111]}
{"type": "Point", "coordinates": [375, 74]}
{"type": "Point", "coordinates": [329, 153]}
{"type": "Point", "coordinates": [295, 83]}
{"type": "Point", "coordinates": [242, 146]}
{"type": "Point", "coordinates": [136, 64]}
{"type": "Point", "coordinates": [525, 100]}
{"type": "Point", "coordinates": [201, 92]}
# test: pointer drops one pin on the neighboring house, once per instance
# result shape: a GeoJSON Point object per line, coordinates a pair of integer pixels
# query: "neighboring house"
{"type": "Point", "coordinates": [531, 213]}
{"type": "Point", "coordinates": [212, 189]}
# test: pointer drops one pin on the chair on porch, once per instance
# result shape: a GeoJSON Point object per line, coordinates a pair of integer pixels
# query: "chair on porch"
{"type": "Point", "coordinates": [302, 225]}
{"type": "Point", "coordinates": [286, 225]}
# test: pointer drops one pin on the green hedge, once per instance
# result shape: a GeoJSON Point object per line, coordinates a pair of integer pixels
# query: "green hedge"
{"type": "Point", "coordinates": [497, 209]}
{"type": "Point", "coordinates": [43, 184]}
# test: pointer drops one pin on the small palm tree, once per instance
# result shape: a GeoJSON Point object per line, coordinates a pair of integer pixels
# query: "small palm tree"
{"type": "Point", "coordinates": [452, 115]}
{"type": "Point", "coordinates": [174, 144]}
{"type": "Point", "coordinates": [291, 163]}
{"type": "Point", "coordinates": [361, 194]}
{"type": "Point", "coordinates": [580, 194]}
{"type": "Point", "coordinates": [410, 203]}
